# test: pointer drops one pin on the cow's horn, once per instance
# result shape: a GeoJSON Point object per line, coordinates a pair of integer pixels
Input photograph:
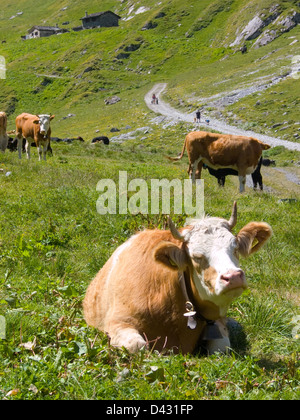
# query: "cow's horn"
{"type": "Point", "coordinates": [233, 218]}
{"type": "Point", "coordinates": [174, 231]}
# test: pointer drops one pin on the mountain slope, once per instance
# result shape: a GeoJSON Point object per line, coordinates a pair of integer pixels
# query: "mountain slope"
{"type": "Point", "coordinates": [194, 46]}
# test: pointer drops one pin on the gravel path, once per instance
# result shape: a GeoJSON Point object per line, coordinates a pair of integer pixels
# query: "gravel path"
{"type": "Point", "coordinates": [165, 109]}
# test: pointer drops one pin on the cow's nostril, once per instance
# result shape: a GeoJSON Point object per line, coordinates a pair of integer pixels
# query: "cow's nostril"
{"type": "Point", "coordinates": [225, 277]}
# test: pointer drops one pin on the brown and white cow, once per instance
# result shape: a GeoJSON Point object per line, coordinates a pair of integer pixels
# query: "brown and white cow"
{"type": "Point", "coordinates": [222, 151]}
{"type": "Point", "coordinates": [3, 134]}
{"type": "Point", "coordinates": [141, 294]}
{"type": "Point", "coordinates": [33, 128]}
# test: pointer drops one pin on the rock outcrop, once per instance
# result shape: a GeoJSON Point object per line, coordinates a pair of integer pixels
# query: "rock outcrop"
{"type": "Point", "coordinates": [265, 27]}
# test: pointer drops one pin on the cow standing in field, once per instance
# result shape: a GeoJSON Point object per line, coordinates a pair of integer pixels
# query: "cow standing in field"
{"type": "Point", "coordinates": [33, 128]}
{"type": "Point", "coordinates": [222, 151]}
{"type": "Point", "coordinates": [171, 289]}
{"type": "Point", "coordinates": [3, 134]}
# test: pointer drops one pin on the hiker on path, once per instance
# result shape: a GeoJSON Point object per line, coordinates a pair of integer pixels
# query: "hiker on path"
{"type": "Point", "coordinates": [198, 115]}
{"type": "Point", "coordinates": [154, 99]}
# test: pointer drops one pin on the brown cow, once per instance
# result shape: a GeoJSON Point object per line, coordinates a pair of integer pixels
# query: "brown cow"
{"type": "Point", "coordinates": [33, 128]}
{"type": "Point", "coordinates": [3, 134]}
{"type": "Point", "coordinates": [168, 288]}
{"type": "Point", "coordinates": [222, 151]}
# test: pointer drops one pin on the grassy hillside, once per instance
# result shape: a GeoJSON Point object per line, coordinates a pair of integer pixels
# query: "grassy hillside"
{"type": "Point", "coordinates": [53, 241]}
{"type": "Point", "coordinates": [189, 46]}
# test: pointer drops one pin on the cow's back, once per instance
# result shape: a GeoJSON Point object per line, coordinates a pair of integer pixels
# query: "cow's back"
{"type": "Point", "coordinates": [230, 150]}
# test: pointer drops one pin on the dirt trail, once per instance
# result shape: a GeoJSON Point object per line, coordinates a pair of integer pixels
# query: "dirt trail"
{"type": "Point", "coordinates": [165, 109]}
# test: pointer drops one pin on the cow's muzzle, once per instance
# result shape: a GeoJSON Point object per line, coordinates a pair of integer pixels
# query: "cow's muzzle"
{"type": "Point", "coordinates": [233, 279]}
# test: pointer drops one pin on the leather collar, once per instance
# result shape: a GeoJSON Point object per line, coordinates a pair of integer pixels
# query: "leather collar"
{"type": "Point", "coordinates": [211, 330]}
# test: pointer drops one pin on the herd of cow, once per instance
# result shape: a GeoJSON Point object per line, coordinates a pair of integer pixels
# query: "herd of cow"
{"type": "Point", "coordinates": [221, 154]}
{"type": "Point", "coordinates": [170, 289]}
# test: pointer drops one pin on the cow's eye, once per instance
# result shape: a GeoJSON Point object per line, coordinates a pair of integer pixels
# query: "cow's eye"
{"type": "Point", "coordinates": [201, 260]}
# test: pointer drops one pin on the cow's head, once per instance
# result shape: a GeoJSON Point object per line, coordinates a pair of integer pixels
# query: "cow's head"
{"type": "Point", "coordinates": [44, 122]}
{"type": "Point", "coordinates": [211, 252]}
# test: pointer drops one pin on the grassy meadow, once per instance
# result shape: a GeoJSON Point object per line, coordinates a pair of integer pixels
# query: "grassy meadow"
{"type": "Point", "coordinates": [53, 241]}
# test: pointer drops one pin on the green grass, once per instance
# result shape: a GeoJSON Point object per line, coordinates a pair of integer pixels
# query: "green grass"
{"type": "Point", "coordinates": [52, 244]}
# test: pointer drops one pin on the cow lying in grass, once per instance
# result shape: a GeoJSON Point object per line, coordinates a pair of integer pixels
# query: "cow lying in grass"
{"type": "Point", "coordinates": [171, 289]}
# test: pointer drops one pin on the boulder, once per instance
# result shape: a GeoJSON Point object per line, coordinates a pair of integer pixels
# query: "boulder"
{"type": "Point", "coordinates": [281, 25]}
{"type": "Point", "coordinates": [149, 25]}
{"type": "Point", "coordinates": [113, 100]}
{"type": "Point", "coordinates": [251, 31]}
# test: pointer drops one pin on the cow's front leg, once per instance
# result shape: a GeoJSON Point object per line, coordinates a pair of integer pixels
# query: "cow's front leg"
{"type": "Point", "coordinates": [242, 179]}
{"type": "Point", "coordinates": [41, 151]}
{"type": "Point", "coordinates": [4, 143]}
{"type": "Point", "coordinates": [27, 148]}
{"type": "Point", "coordinates": [196, 169]}
{"type": "Point", "coordinates": [20, 145]}
{"type": "Point", "coordinates": [45, 148]}
{"type": "Point", "coordinates": [199, 169]}
{"type": "Point", "coordinates": [45, 151]}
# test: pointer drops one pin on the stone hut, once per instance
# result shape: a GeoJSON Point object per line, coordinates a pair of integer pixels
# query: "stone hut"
{"type": "Point", "coordinates": [43, 31]}
{"type": "Point", "coordinates": [99, 20]}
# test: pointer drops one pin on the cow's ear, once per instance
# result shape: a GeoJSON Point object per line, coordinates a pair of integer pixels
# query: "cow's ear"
{"type": "Point", "coordinates": [52, 116]}
{"type": "Point", "coordinates": [171, 256]}
{"type": "Point", "coordinates": [252, 237]}
{"type": "Point", "coordinates": [36, 121]}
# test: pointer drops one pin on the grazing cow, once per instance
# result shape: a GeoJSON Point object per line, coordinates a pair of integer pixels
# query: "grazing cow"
{"type": "Point", "coordinates": [67, 139]}
{"type": "Point", "coordinates": [257, 176]}
{"type": "Point", "coordinates": [172, 288]}
{"type": "Point", "coordinates": [33, 128]}
{"type": "Point", "coordinates": [221, 174]}
{"type": "Point", "coordinates": [3, 134]}
{"type": "Point", "coordinates": [268, 162]}
{"type": "Point", "coordinates": [13, 145]}
{"type": "Point", "coordinates": [222, 151]}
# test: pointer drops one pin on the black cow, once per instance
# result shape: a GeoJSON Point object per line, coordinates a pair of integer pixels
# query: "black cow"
{"type": "Point", "coordinates": [221, 174]}
{"type": "Point", "coordinates": [12, 145]}
{"type": "Point", "coordinates": [268, 162]}
{"type": "Point", "coordinates": [102, 139]}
